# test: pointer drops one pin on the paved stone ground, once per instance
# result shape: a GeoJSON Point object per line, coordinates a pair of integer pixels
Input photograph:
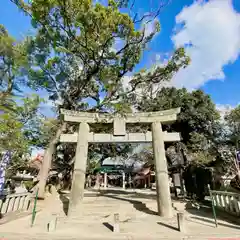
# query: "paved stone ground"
{"type": "Point", "coordinates": [138, 220]}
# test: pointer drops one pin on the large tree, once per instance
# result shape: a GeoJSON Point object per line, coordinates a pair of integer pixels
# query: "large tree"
{"type": "Point", "coordinates": [83, 49]}
{"type": "Point", "coordinates": [230, 143]}
{"type": "Point", "coordinates": [19, 131]}
{"type": "Point", "coordinates": [197, 121]}
{"type": "Point", "coordinates": [233, 123]}
{"type": "Point", "coordinates": [18, 114]}
{"type": "Point", "coordinates": [13, 62]}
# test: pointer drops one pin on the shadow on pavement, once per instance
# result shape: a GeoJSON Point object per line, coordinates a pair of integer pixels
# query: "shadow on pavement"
{"type": "Point", "coordinates": [111, 191]}
{"type": "Point", "coordinates": [134, 194]}
{"type": "Point", "coordinates": [205, 214]}
{"type": "Point", "coordinates": [138, 205]}
{"type": "Point", "coordinates": [212, 221]}
{"type": "Point", "coordinates": [108, 225]}
{"type": "Point", "coordinates": [65, 202]}
{"type": "Point", "coordinates": [168, 226]}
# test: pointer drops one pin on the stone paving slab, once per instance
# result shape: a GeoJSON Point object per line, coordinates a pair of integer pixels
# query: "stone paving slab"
{"type": "Point", "coordinates": [137, 221]}
{"type": "Point", "coordinates": [14, 216]}
{"type": "Point", "coordinates": [161, 229]}
{"type": "Point", "coordinates": [72, 236]}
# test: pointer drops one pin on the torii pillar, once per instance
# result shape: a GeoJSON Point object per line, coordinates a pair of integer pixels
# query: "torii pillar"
{"type": "Point", "coordinates": [77, 190]}
{"type": "Point", "coordinates": [164, 202]}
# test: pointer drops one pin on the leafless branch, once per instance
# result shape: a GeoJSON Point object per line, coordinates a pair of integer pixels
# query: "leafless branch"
{"type": "Point", "coordinates": [153, 14]}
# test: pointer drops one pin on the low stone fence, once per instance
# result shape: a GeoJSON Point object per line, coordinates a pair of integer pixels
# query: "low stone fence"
{"type": "Point", "coordinates": [227, 201]}
{"type": "Point", "coordinates": [14, 202]}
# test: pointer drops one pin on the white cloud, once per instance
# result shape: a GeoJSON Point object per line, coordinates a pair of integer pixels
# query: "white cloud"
{"type": "Point", "coordinates": [149, 28]}
{"type": "Point", "coordinates": [160, 60]}
{"type": "Point", "coordinates": [223, 109]}
{"type": "Point", "coordinates": [211, 36]}
{"type": "Point", "coordinates": [125, 82]}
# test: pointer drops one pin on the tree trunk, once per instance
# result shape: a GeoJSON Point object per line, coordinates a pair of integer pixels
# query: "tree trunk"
{"type": "Point", "coordinates": [47, 162]}
{"type": "Point", "coordinates": [183, 157]}
{"type": "Point", "coordinates": [174, 185]}
{"type": "Point", "coordinates": [97, 183]}
{"type": "Point", "coordinates": [182, 182]}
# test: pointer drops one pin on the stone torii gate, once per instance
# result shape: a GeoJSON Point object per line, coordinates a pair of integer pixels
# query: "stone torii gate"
{"type": "Point", "coordinates": [157, 137]}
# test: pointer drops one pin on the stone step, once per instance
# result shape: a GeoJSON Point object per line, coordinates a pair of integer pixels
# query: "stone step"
{"type": "Point", "coordinates": [144, 219]}
{"type": "Point", "coordinates": [105, 226]}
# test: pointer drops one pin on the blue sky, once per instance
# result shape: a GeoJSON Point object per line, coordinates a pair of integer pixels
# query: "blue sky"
{"type": "Point", "coordinates": [212, 28]}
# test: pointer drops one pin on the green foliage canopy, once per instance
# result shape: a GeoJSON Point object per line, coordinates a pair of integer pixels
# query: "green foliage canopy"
{"type": "Point", "coordinates": [83, 49]}
{"type": "Point", "coordinates": [198, 121]}
{"type": "Point", "coordinates": [13, 63]}
{"type": "Point", "coordinates": [19, 130]}
{"type": "Point", "coordinates": [233, 123]}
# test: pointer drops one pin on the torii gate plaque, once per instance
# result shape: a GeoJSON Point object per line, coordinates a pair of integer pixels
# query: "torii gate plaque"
{"type": "Point", "coordinates": [157, 137]}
